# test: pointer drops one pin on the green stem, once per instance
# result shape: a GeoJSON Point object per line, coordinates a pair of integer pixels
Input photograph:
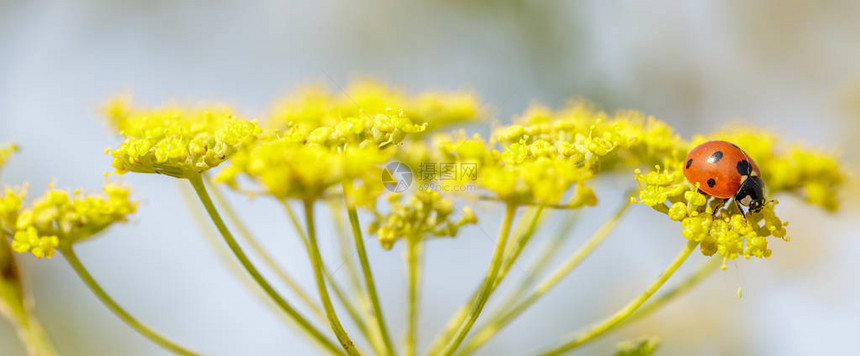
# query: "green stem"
{"type": "Point", "coordinates": [694, 279]}
{"type": "Point", "coordinates": [17, 306]}
{"type": "Point", "coordinates": [414, 253]}
{"type": "Point", "coordinates": [351, 309]}
{"type": "Point", "coordinates": [601, 328]}
{"type": "Point", "coordinates": [358, 238]}
{"type": "Point", "coordinates": [514, 252]}
{"type": "Point", "coordinates": [498, 322]}
{"type": "Point", "coordinates": [88, 279]}
{"type": "Point", "coordinates": [344, 242]}
{"type": "Point", "coordinates": [34, 337]}
{"type": "Point", "coordinates": [316, 261]}
{"type": "Point", "coordinates": [304, 324]}
{"type": "Point", "coordinates": [511, 253]}
{"type": "Point", "coordinates": [344, 246]}
{"type": "Point", "coordinates": [487, 285]}
{"type": "Point", "coordinates": [539, 264]}
{"type": "Point", "coordinates": [260, 251]}
{"type": "Point", "coordinates": [213, 238]}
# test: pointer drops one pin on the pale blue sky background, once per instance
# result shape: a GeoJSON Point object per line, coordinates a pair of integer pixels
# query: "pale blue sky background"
{"type": "Point", "coordinates": [780, 64]}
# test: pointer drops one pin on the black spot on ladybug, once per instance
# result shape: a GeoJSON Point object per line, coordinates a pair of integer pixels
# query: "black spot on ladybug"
{"type": "Point", "coordinates": [715, 157]}
{"type": "Point", "coordinates": [712, 182]}
{"type": "Point", "coordinates": [744, 168]}
{"type": "Point", "coordinates": [689, 162]}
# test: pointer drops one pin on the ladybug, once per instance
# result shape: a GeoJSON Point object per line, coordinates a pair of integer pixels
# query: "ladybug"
{"type": "Point", "coordinates": [724, 171]}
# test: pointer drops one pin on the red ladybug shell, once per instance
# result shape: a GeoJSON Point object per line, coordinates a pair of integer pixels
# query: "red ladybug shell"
{"type": "Point", "coordinates": [719, 167]}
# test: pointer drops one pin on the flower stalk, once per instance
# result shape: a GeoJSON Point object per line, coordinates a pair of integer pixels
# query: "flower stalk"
{"type": "Point", "coordinates": [511, 253]}
{"type": "Point", "coordinates": [502, 319]}
{"type": "Point", "coordinates": [17, 306]}
{"type": "Point", "coordinates": [370, 284]}
{"type": "Point", "coordinates": [691, 281]}
{"type": "Point", "coordinates": [267, 258]}
{"type": "Point", "coordinates": [345, 300]}
{"type": "Point", "coordinates": [316, 260]}
{"type": "Point", "coordinates": [486, 288]}
{"type": "Point", "coordinates": [547, 254]}
{"type": "Point", "coordinates": [105, 298]}
{"type": "Point", "coordinates": [614, 320]}
{"type": "Point", "coordinates": [414, 257]}
{"type": "Point", "coordinates": [197, 182]}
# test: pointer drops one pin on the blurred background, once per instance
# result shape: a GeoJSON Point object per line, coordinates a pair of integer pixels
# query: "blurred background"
{"type": "Point", "coordinates": [791, 66]}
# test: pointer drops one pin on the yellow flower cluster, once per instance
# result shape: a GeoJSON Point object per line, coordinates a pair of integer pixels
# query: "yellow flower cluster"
{"type": "Point", "coordinates": [523, 173]}
{"type": "Point", "coordinates": [381, 130]}
{"type": "Point", "coordinates": [176, 141]}
{"type": "Point", "coordinates": [545, 152]}
{"type": "Point", "coordinates": [6, 151]}
{"type": "Point", "coordinates": [813, 175]}
{"type": "Point", "coordinates": [59, 218]}
{"type": "Point", "coordinates": [786, 168]}
{"type": "Point", "coordinates": [426, 212]}
{"type": "Point", "coordinates": [318, 140]}
{"type": "Point", "coordinates": [304, 166]}
{"type": "Point", "coordinates": [288, 169]}
{"type": "Point", "coordinates": [314, 107]}
{"type": "Point", "coordinates": [726, 232]}
{"type": "Point", "coordinates": [594, 138]}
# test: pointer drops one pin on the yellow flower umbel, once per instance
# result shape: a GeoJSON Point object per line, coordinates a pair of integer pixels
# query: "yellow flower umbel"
{"type": "Point", "coordinates": [425, 213]}
{"type": "Point", "coordinates": [6, 151]}
{"type": "Point", "coordinates": [60, 218]}
{"type": "Point", "coordinates": [185, 143]}
{"type": "Point", "coordinates": [786, 168]}
{"type": "Point", "coordinates": [810, 174]}
{"type": "Point", "coordinates": [314, 106]}
{"type": "Point", "coordinates": [286, 169]}
{"type": "Point", "coordinates": [176, 141]}
{"type": "Point", "coordinates": [594, 138]}
{"type": "Point", "coordinates": [16, 304]}
{"type": "Point", "coordinates": [304, 166]}
{"type": "Point", "coordinates": [546, 152]}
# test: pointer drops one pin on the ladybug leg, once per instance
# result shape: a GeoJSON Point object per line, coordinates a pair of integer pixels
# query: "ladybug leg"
{"type": "Point", "coordinates": [718, 206]}
{"type": "Point", "coordinates": [737, 204]}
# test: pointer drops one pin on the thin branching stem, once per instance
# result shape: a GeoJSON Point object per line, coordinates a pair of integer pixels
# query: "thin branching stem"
{"type": "Point", "coordinates": [692, 280]}
{"type": "Point", "coordinates": [414, 261]}
{"type": "Point", "coordinates": [357, 317]}
{"type": "Point", "coordinates": [316, 260]}
{"type": "Point", "coordinates": [213, 238]}
{"type": "Point", "coordinates": [486, 288]}
{"type": "Point", "coordinates": [504, 317]}
{"type": "Point", "coordinates": [360, 249]}
{"type": "Point", "coordinates": [343, 233]}
{"type": "Point", "coordinates": [286, 307]}
{"type": "Point", "coordinates": [345, 247]}
{"type": "Point", "coordinates": [105, 298]}
{"type": "Point", "coordinates": [539, 264]}
{"type": "Point", "coordinates": [258, 249]}
{"type": "Point", "coordinates": [16, 304]}
{"type": "Point", "coordinates": [512, 251]}
{"type": "Point", "coordinates": [614, 320]}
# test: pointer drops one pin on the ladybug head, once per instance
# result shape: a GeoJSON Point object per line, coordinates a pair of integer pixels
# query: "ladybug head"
{"type": "Point", "coordinates": [757, 205]}
{"type": "Point", "coordinates": [751, 194]}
